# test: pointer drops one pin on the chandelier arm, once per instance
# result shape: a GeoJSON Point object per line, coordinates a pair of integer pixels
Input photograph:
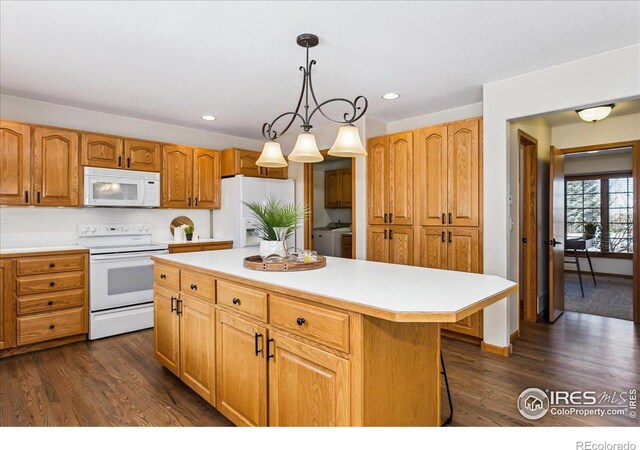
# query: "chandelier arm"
{"type": "Point", "coordinates": [354, 105]}
{"type": "Point", "coordinates": [267, 127]}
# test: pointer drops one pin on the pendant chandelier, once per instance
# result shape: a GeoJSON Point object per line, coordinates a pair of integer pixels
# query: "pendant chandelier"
{"type": "Point", "coordinates": [347, 143]}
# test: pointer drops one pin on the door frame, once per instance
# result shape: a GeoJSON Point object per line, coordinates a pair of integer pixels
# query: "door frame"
{"type": "Point", "coordinates": [308, 201]}
{"type": "Point", "coordinates": [635, 145]}
{"type": "Point", "coordinates": [528, 224]}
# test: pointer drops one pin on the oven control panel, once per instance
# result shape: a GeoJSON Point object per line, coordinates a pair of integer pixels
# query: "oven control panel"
{"type": "Point", "coordinates": [113, 230]}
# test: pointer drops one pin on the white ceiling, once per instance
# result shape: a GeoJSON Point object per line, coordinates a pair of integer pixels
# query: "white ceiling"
{"type": "Point", "coordinates": [175, 61]}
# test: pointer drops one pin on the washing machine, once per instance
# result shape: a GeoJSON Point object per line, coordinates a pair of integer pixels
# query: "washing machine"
{"type": "Point", "coordinates": [328, 241]}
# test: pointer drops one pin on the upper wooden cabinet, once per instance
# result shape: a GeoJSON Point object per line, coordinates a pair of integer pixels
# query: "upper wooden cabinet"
{"type": "Point", "coordinates": [113, 152]}
{"type": "Point", "coordinates": [338, 188]}
{"type": "Point", "coordinates": [390, 179]}
{"type": "Point", "coordinates": [449, 170]}
{"type": "Point", "coordinates": [236, 161]}
{"type": "Point", "coordinates": [55, 167]}
{"type": "Point", "coordinates": [190, 177]}
{"type": "Point", "coordinates": [15, 163]}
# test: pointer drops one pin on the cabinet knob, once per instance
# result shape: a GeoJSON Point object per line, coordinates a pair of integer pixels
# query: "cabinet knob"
{"type": "Point", "coordinates": [52, 265]}
{"type": "Point", "coordinates": [52, 283]}
{"type": "Point", "coordinates": [50, 302]}
{"type": "Point", "coordinates": [235, 301]}
{"type": "Point", "coordinates": [163, 276]}
{"type": "Point", "coordinates": [52, 326]}
{"type": "Point", "coordinates": [300, 321]}
{"type": "Point", "coordinates": [194, 287]}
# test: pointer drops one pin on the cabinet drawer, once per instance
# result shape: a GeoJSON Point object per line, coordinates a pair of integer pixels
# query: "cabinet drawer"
{"type": "Point", "coordinates": [243, 300]}
{"type": "Point", "coordinates": [325, 326]}
{"type": "Point", "coordinates": [166, 276]}
{"type": "Point", "coordinates": [49, 264]}
{"type": "Point", "coordinates": [43, 327]}
{"type": "Point", "coordinates": [50, 302]}
{"type": "Point", "coordinates": [35, 284]}
{"type": "Point", "coordinates": [197, 284]}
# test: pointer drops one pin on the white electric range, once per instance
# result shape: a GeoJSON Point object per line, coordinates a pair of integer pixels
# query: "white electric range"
{"type": "Point", "coordinates": [121, 277]}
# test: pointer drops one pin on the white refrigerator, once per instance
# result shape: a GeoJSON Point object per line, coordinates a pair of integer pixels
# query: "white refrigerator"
{"type": "Point", "coordinates": [234, 220]}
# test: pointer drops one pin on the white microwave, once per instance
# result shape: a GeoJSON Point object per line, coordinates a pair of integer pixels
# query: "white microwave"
{"type": "Point", "coordinates": [121, 188]}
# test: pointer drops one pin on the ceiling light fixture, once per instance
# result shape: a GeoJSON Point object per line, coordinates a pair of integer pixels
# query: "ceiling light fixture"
{"type": "Point", "coordinates": [207, 117]}
{"type": "Point", "coordinates": [391, 96]}
{"type": "Point", "coordinates": [347, 144]}
{"type": "Point", "coordinates": [596, 113]}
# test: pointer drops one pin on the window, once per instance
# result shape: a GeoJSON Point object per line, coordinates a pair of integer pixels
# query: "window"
{"type": "Point", "coordinates": [605, 200]}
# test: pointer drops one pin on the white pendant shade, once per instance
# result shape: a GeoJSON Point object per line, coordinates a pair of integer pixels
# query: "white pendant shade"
{"type": "Point", "coordinates": [595, 114]}
{"type": "Point", "coordinates": [348, 143]}
{"type": "Point", "coordinates": [306, 149]}
{"type": "Point", "coordinates": [271, 156]}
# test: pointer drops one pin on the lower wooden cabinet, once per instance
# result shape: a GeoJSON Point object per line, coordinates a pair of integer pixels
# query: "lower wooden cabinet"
{"type": "Point", "coordinates": [7, 305]}
{"type": "Point", "coordinates": [307, 386]}
{"type": "Point", "coordinates": [241, 370]}
{"type": "Point", "coordinates": [184, 331]}
{"type": "Point", "coordinates": [391, 244]}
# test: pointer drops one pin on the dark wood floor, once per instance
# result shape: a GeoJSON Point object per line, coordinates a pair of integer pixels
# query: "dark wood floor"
{"type": "Point", "coordinates": [116, 381]}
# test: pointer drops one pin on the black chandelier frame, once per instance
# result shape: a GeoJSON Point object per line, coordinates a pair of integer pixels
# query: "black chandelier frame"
{"type": "Point", "coordinates": [357, 107]}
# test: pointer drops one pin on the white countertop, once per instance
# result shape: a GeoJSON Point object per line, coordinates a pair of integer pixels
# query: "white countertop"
{"type": "Point", "coordinates": [56, 248]}
{"type": "Point", "coordinates": [199, 241]}
{"type": "Point", "coordinates": [395, 288]}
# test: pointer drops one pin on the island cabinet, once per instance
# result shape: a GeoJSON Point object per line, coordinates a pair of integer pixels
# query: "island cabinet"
{"type": "Point", "coordinates": [284, 358]}
{"type": "Point", "coordinates": [190, 178]}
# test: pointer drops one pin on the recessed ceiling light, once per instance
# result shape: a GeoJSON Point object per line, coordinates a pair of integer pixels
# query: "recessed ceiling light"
{"type": "Point", "coordinates": [391, 96]}
{"type": "Point", "coordinates": [208, 117]}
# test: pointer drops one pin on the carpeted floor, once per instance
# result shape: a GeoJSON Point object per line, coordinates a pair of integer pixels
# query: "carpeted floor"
{"type": "Point", "coordinates": [612, 297]}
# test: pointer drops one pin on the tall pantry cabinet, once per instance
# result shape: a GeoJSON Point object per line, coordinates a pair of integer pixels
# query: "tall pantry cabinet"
{"type": "Point", "coordinates": [424, 196]}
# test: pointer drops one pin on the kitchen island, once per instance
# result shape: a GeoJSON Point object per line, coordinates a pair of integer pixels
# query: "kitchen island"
{"type": "Point", "coordinates": [355, 343]}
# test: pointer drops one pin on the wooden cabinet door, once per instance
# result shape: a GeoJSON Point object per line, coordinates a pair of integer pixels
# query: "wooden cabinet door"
{"type": "Point", "coordinates": [377, 180]}
{"type": "Point", "coordinates": [464, 173]}
{"type": "Point", "coordinates": [331, 189]}
{"type": "Point", "coordinates": [431, 175]}
{"type": "Point", "coordinates": [241, 366]}
{"type": "Point", "coordinates": [166, 331]}
{"type": "Point", "coordinates": [279, 173]}
{"type": "Point", "coordinates": [177, 173]}
{"type": "Point", "coordinates": [401, 245]}
{"type": "Point", "coordinates": [470, 325]}
{"type": "Point", "coordinates": [246, 163]}
{"type": "Point", "coordinates": [197, 346]}
{"type": "Point", "coordinates": [463, 250]}
{"type": "Point", "coordinates": [15, 164]}
{"type": "Point", "coordinates": [433, 248]}
{"type": "Point", "coordinates": [142, 155]}
{"type": "Point", "coordinates": [7, 305]}
{"type": "Point", "coordinates": [206, 178]}
{"type": "Point", "coordinates": [377, 244]}
{"type": "Point", "coordinates": [345, 188]}
{"type": "Point", "coordinates": [401, 179]}
{"type": "Point", "coordinates": [307, 386]}
{"type": "Point", "coordinates": [55, 167]}
{"type": "Point", "coordinates": [97, 150]}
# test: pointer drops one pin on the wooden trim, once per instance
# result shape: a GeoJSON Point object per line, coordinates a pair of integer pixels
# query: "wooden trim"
{"type": "Point", "coordinates": [18, 254]}
{"type": "Point", "coordinates": [528, 224]}
{"type": "Point", "coordinates": [42, 345]}
{"type": "Point", "coordinates": [450, 334]}
{"type": "Point", "coordinates": [515, 335]}
{"type": "Point", "coordinates": [380, 313]}
{"type": "Point", "coordinates": [590, 148]}
{"type": "Point", "coordinates": [496, 350]}
{"type": "Point", "coordinates": [636, 232]}
{"type": "Point", "coordinates": [599, 176]}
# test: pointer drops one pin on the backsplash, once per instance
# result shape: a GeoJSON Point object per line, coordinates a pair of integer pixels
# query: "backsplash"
{"type": "Point", "coordinates": [30, 227]}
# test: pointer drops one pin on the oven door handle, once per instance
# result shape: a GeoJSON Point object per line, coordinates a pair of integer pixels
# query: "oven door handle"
{"type": "Point", "coordinates": [124, 256]}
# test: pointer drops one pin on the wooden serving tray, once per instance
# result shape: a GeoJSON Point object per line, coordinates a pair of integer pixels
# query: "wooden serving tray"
{"type": "Point", "coordinates": [256, 263]}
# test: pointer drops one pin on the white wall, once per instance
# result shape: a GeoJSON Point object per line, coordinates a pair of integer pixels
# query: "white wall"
{"type": "Point", "coordinates": [321, 216]}
{"type": "Point", "coordinates": [602, 78]}
{"type": "Point", "coordinates": [23, 225]}
{"type": "Point", "coordinates": [541, 131]}
{"type": "Point", "coordinates": [448, 115]}
{"type": "Point", "coordinates": [612, 129]}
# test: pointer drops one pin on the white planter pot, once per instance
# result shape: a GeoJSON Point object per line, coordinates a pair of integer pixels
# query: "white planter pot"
{"type": "Point", "coordinates": [270, 247]}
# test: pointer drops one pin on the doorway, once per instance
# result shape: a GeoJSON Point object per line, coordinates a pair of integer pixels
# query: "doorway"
{"type": "Point", "coordinates": [594, 225]}
{"type": "Point", "coordinates": [329, 193]}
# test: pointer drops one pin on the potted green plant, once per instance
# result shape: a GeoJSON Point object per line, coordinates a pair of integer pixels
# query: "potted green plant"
{"type": "Point", "coordinates": [188, 232]}
{"type": "Point", "coordinates": [276, 221]}
{"type": "Point", "coordinates": [590, 229]}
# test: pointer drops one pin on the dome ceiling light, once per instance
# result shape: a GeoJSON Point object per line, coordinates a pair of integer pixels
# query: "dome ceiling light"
{"type": "Point", "coordinates": [596, 113]}
{"type": "Point", "coordinates": [347, 143]}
